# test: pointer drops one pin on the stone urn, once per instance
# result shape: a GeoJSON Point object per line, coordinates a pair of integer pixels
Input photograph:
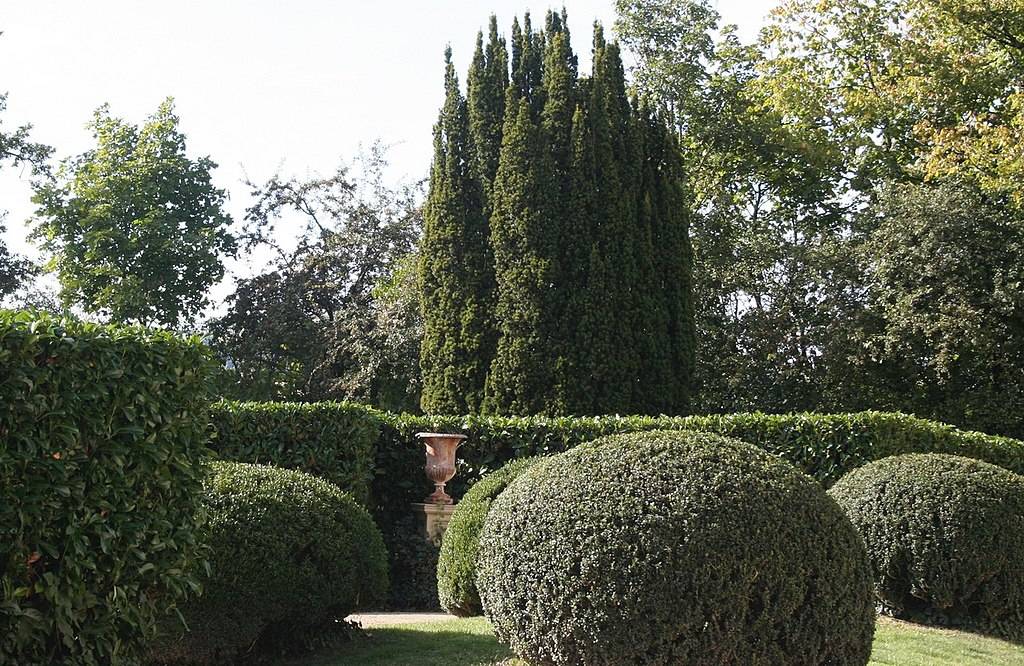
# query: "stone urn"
{"type": "Point", "coordinates": [440, 462]}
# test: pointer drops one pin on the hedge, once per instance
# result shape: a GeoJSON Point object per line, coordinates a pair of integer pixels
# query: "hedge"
{"type": "Point", "coordinates": [945, 535]}
{"type": "Point", "coordinates": [351, 445]}
{"type": "Point", "coordinates": [671, 547]}
{"type": "Point", "coordinates": [290, 555]}
{"type": "Point", "coordinates": [102, 442]}
{"type": "Point", "coordinates": [456, 563]}
{"type": "Point", "coordinates": [332, 440]}
{"type": "Point", "coordinates": [825, 446]}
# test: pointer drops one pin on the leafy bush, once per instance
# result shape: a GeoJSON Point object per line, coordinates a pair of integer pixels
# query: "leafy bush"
{"type": "Point", "coordinates": [102, 438]}
{"type": "Point", "coordinates": [456, 565]}
{"type": "Point", "coordinates": [673, 547]}
{"type": "Point", "coordinates": [945, 535]}
{"type": "Point", "coordinates": [332, 440]}
{"type": "Point", "coordinates": [290, 553]}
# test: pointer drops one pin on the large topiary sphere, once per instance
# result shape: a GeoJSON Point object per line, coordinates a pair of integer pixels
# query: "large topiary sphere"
{"type": "Point", "coordinates": [456, 564]}
{"type": "Point", "coordinates": [289, 553]}
{"type": "Point", "coordinates": [945, 535]}
{"type": "Point", "coordinates": [674, 548]}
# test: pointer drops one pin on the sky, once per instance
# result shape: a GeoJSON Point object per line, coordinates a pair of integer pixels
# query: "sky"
{"type": "Point", "coordinates": [261, 86]}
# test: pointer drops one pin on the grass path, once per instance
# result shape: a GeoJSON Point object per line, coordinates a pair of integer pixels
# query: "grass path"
{"type": "Point", "coordinates": [470, 642]}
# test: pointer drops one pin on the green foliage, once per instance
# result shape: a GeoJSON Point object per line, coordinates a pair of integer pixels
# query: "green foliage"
{"type": "Point", "coordinates": [135, 227]}
{"type": "Point", "coordinates": [456, 263]}
{"type": "Point", "coordinates": [290, 553]}
{"type": "Point", "coordinates": [945, 535]}
{"type": "Point", "coordinates": [669, 547]}
{"type": "Point", "coordinates": [321, 325]}
{"type": "Point", "coordinates": [585, 306]}
{"type": "Point", "coordinates": [102, 439]}
{"type": "Point", "coordinates": [946, 281]}
{"type": "Point", "coordinates": [334, 441]}
{"type": "Point", "coordinates": [826, 446]}
{"type": "Point", "coordinates": [16, 148]}
{"type": "Point", "coordinates": [456, 564]}
{"type": "Point", "coordinates": [412, 564]}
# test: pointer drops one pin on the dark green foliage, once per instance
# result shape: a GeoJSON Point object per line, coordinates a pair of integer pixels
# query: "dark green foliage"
{"type": "Point", "coordinates": [826, 446]}
{"type": "Point", "coordinates": [335, 441]}
{"type": "Point", "coordinates": [524, 235]}
{"type": "Point", "coordinates": [486, 84]}
{"type": "Point", "coordinates": [412, 565]}
{"type": "Point", "coordinates": [945, 535]}
{"type": "Point", "coordinates": [583, 193]}
{"type": "Point", "coordinates": [457, 268]}
{"type": "Point", "coordinates": [102, 439]}
{"type": "Point", "coordinates": [670, 548]}
{"type": "Point", "coordinates": [290, 553]}
{"type": "Point", "coordinates": [456, 564]}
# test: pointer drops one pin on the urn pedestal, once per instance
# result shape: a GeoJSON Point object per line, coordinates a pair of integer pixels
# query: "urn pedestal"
{"type": "Point", "coordinates": [436, 510]}
{"type": "Point", "coordinates": [433, 520]}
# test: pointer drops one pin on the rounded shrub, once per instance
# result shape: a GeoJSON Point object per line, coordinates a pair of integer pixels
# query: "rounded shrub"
{"type": "Point", "coordinates": [289, 553]}
{"type": "Point", "coordinates": [674, 548]}
{"type": "Point", "coordinates": [456, 564]}
{"type": "Point", "coordinates": [945, 535]}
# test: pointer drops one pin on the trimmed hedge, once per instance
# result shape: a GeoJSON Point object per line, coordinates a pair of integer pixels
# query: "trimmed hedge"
{"type": "Point", "coordinates": [349, 444]}
{"type": "Point", "coordinates": [825, 446]}
{"type": "Point", "coordinates": [456, 564]}
{"type": "Point", "coordinates": [290, 554]}
{"type": "Point", "coordinates": [670, 548]}
{"type": "Point", "coordinates": [332, 440]}
{"type": "Point", "coordinates": [102, 439]}
{"type": "Point", "coordinates": [946, 539]}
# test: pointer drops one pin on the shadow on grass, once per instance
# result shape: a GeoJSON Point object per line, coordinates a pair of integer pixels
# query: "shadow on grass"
{"type": "Point", "coordinates": [418, 644]}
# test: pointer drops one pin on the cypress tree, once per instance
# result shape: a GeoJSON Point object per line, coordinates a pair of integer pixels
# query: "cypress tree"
{"type": "Point", "coordinates": [581, 301]}
{"type": "Point", "coordinates": [528, 63]}
{"type": "Point", "coordinates": [525, 243]}
{"type": "Point", "coordinates": [559, 85]}
{"type": "Point", "coordinates": [487, 82]}
{"type": "Point", "coordinates": [456, 267]}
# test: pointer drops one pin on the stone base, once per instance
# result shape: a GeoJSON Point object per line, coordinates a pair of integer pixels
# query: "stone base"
{"type": "Point", "coordinates": [434, 520]}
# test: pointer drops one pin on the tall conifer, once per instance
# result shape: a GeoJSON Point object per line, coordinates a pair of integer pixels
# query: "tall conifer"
{"type": "Point", "coordinates": [525, 245]}
{"type": "Point", "coordinates": [589, 306]}
{"type": "Point", "coordinates": [456, 267]}
{"type": "Point", "coordinates": [487, 82]}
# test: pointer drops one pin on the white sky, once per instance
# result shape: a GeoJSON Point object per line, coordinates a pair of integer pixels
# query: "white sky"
{"type": "Point", "coordinates": [260, 85]}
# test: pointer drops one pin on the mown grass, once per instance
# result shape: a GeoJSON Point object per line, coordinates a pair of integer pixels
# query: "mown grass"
{"type": "Point", "coordinates": [470, 642]}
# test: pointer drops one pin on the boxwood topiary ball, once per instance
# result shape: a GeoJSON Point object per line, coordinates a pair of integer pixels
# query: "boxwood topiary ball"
{"type": "Point", "coordinates": [456, 564]}
{"type": "Point", "coordinates": [945, 535]}
{"type": "Point", "coordinates": [289, 552]}
{"type": "Point", "coordinates": [674, 548]}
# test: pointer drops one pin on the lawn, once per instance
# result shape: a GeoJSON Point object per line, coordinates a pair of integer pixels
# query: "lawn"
{"type": "Point", "coordinates": [470, 642]}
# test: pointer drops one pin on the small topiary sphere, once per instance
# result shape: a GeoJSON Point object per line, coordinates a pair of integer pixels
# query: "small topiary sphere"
{"type": "Point", "coordinates": [289, 552]}
{"type": "Point", "coordinates": [945, 535]}
{"type": "Point", "coordinates": [456, 564]}
{"type": "Point", "coordinates": [674, 548]}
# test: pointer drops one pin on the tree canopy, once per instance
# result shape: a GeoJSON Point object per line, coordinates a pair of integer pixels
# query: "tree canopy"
{"type": "Point", "coordinates": [135, 228]}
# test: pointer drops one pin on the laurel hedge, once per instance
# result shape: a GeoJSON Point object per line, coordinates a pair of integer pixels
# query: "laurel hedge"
{"type": "Point", "coordinates": [670, 548]}
{"type": "Point", "coordinates": [946, 539]}
{"type": "Point", "coordinates": [103, 435]}
{"type": "Point", "coordinates": [290, 555]}
{"type": "Point", "coordinates": [333, 440]}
